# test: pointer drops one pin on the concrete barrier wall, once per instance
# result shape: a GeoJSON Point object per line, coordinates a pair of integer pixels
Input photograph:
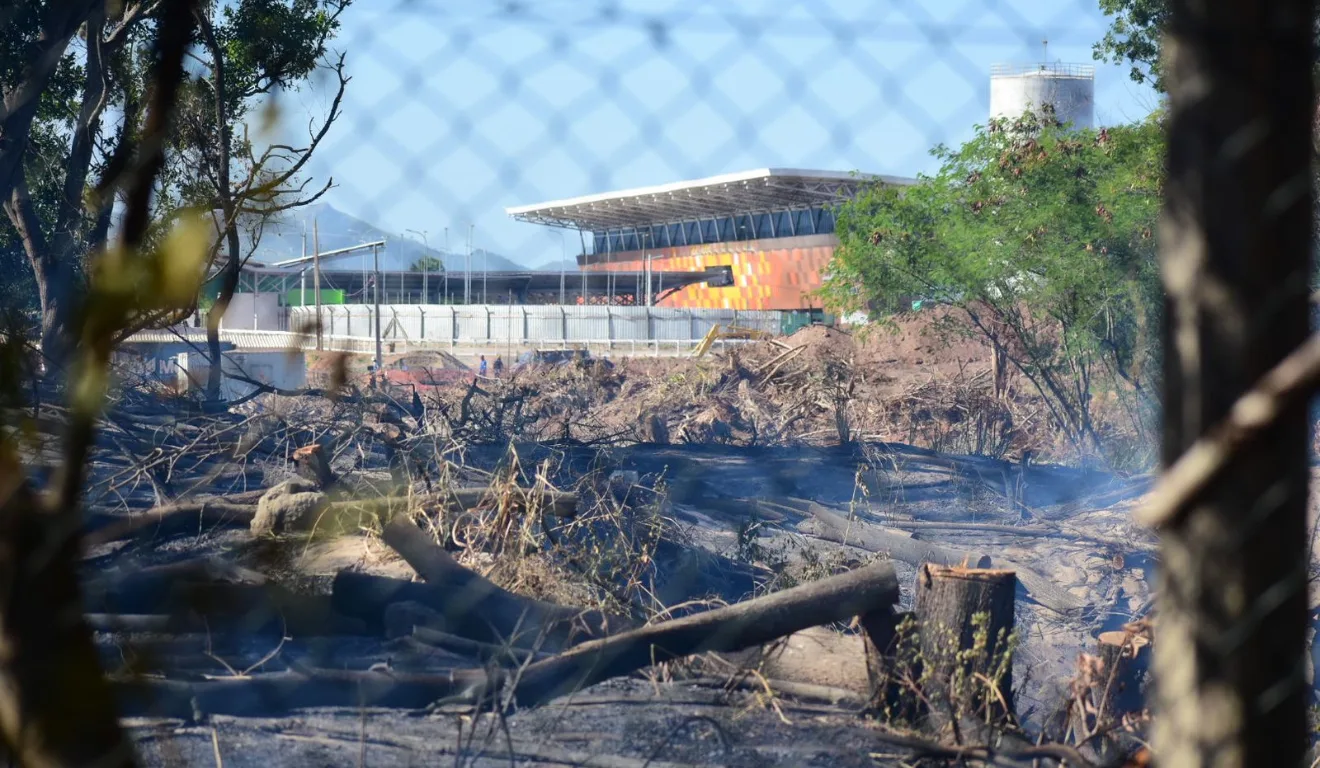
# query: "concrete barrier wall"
{"type": "Point", "coordinates": [283, 370]}
{"type": "Point", "coordinates": [531, 324]}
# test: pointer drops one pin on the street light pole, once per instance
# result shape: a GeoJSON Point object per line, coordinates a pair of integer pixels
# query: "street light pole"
{"type": "Point", "coordinates": [375, 258]}
{"type": "Point", "coordinates": [563, 264]}
{"type": "Point", "coordinates": [467, 268]}
{"type": "Point", "coordinates": [426, 296]}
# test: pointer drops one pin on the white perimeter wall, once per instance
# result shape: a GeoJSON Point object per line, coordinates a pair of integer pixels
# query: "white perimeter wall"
{"type": "Point", "coordinates": [254, 312]}
{"type": "Point", "coordinates": [283, 369]}
{"type": "Point", "coordinates": [529, 324]}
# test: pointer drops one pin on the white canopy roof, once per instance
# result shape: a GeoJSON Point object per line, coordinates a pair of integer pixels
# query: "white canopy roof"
{"type": "Point", "coordinates": [757, 191]}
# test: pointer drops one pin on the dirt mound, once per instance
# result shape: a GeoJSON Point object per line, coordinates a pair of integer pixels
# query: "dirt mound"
{"type": "Point", "coordinates": [433, 359]}
{"type": "Point", "coordinates": [911, 348]}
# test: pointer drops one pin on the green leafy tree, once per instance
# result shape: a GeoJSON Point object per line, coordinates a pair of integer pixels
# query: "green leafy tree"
{"type": "Point", "coordinates": [74, 76]}
{"type": "Point", "coordinates": [428, 264]}
{"type": "Point", "coordinates": [249, 51]}
{"type": "Point", "coordinates": [1041, 239]}
{"type": "Point", "coordinates": [1135, 38]}
{"type": "Point", "coordinates": [60, 64]}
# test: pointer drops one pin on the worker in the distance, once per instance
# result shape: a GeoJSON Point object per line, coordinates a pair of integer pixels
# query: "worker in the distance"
{"type": "Point", "coordinates": [499, 366]}
{"type": "Point", "coordinates": [481, 368]}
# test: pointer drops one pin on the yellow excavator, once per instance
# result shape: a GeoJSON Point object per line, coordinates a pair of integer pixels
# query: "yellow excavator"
{"type": "Point", "coordinates": [727, 332]}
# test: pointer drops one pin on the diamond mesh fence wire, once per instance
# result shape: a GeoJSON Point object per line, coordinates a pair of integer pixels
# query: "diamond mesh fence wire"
{"type": "Point", "coordinates": [456, 114]}
{"type": "Point", "coordinates": [408, 446]}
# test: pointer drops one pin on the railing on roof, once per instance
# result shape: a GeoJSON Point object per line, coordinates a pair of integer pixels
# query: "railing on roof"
{"type": "Point", "coordinates": [1055, 69]}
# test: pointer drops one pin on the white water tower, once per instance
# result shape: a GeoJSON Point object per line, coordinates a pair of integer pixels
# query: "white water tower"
{"type": "Point", "coordinates": [1070, 88]}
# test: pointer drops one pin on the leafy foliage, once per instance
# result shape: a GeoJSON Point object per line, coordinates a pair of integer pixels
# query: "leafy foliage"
{"type": "Point", "coordinates": [428, 264]}
{"type": "Point", "coordinates": [1134, 37]}
{"type": "Point", "coordinates": [243, 54]}
{"type": "Point", "coordinates": [1042, 237]}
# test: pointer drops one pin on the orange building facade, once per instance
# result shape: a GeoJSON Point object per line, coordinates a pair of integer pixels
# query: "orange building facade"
{"type": "Point", "coordinates": [773, 273]}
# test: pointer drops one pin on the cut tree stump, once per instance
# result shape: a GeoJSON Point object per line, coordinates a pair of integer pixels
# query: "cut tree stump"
{"type": "Point", "coordinates": [1124, 662]}
{"type": "Point", "coordinates": [965, 620]}
{"type": "Point", "coordinates": [312, 464]}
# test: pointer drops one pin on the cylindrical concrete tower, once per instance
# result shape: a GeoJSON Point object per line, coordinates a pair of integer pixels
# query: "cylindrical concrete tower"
{"type": "Point", "coordinates": [1015, 89]}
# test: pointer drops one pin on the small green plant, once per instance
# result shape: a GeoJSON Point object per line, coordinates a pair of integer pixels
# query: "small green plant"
{"type": "Point", "coordinates": [748, 548]}
{"type": "Point", "coordinates": [908, 684]}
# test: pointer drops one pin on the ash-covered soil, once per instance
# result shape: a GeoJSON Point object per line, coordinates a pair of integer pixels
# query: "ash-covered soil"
{"type": "Point", "coordinates": [696, 481]}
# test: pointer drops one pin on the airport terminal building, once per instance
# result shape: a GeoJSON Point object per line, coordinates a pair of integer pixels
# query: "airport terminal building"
{"type": "Point", "coordinates": [772, 228]}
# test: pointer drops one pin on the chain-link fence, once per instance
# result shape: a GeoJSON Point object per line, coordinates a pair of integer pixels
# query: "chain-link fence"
{"type": "Point", "coordinates": [507, 382]}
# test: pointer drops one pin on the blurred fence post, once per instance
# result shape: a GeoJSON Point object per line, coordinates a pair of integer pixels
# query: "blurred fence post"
{"type": "Point", "coordinates": [1235, 254]}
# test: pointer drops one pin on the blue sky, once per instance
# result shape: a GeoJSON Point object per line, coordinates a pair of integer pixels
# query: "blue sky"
{"type": "Point", "coordinates": [458, 109]}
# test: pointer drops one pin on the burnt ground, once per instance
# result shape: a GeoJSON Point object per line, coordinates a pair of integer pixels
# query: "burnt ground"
{"type": "Point", "coordinates": [752, 444]}
{"type": "Point", "coordinates": [735, 504]}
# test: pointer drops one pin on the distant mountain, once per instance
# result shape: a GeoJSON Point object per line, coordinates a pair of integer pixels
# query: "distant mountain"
{"type": "Point", "coordinates": [555, 265]}
{"type": "Point", "coordinates": [283, 240]}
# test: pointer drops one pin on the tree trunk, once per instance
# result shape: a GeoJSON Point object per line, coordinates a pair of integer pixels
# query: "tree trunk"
{"type": "Point", "coordinates": [1124, 663]}
{"type": "Point", "coordinates": [225, 200]}
{"type": "Point", "coordinates": [1235, 255]}
{"type": "Point", "coordinates": [965, 619]}
{"type": "Point", "coordinates": [999, 370]}
{"type": "Point", "coordinates": [54, 277]}
{"type": "Point", "coordinates": [55, 706]}
{"type": "Point", "coordinates": [19, 106]}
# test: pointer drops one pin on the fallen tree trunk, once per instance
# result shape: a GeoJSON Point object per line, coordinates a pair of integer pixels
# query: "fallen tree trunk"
{"type": "Point", "coordinates": [834, 527]}
{"type": "Point", "coordinates": [137, 623]}
{"type": "Point", "coordinates": [467, 604]}
{"type": "Point", "coordinates": [734, 628]}
{"type": "Point", "coordinates": [217, 592]}
{"type": "Point", "coordinates": [198, 516]}
{"type": "Point", "coordinates": [486, 615]}
{"type": "Point", "coordinates": [1070, 533]}
{"type": "Point", "coordinates": [172, 520]}
{"type": "Point", "coordinates": [723, 630]}
{"type": "Point", "coordinates": [471, 649]}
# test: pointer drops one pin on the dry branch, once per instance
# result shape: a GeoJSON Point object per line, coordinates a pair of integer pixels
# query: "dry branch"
{"type": "Point", "coordinates": [473, 607]}
{"type": "Point", "coordinates": [734, 628]}
{"type": "Point", "coordinates": [171, 520]}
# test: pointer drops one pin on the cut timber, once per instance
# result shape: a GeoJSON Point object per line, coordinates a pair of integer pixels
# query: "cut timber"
{"type": "Point", "coordinates": [476, 608]}
{"type": "Point", "coordinates": [483, 613]}
{"type": "Point", "coordinates": [734, 628]}
{"type": "Point", "coordinates": [831, 526]}
{"type": "Point", "coordinates": [965, 620]}
{"type": "Point", "coordinates": [185, 517]}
